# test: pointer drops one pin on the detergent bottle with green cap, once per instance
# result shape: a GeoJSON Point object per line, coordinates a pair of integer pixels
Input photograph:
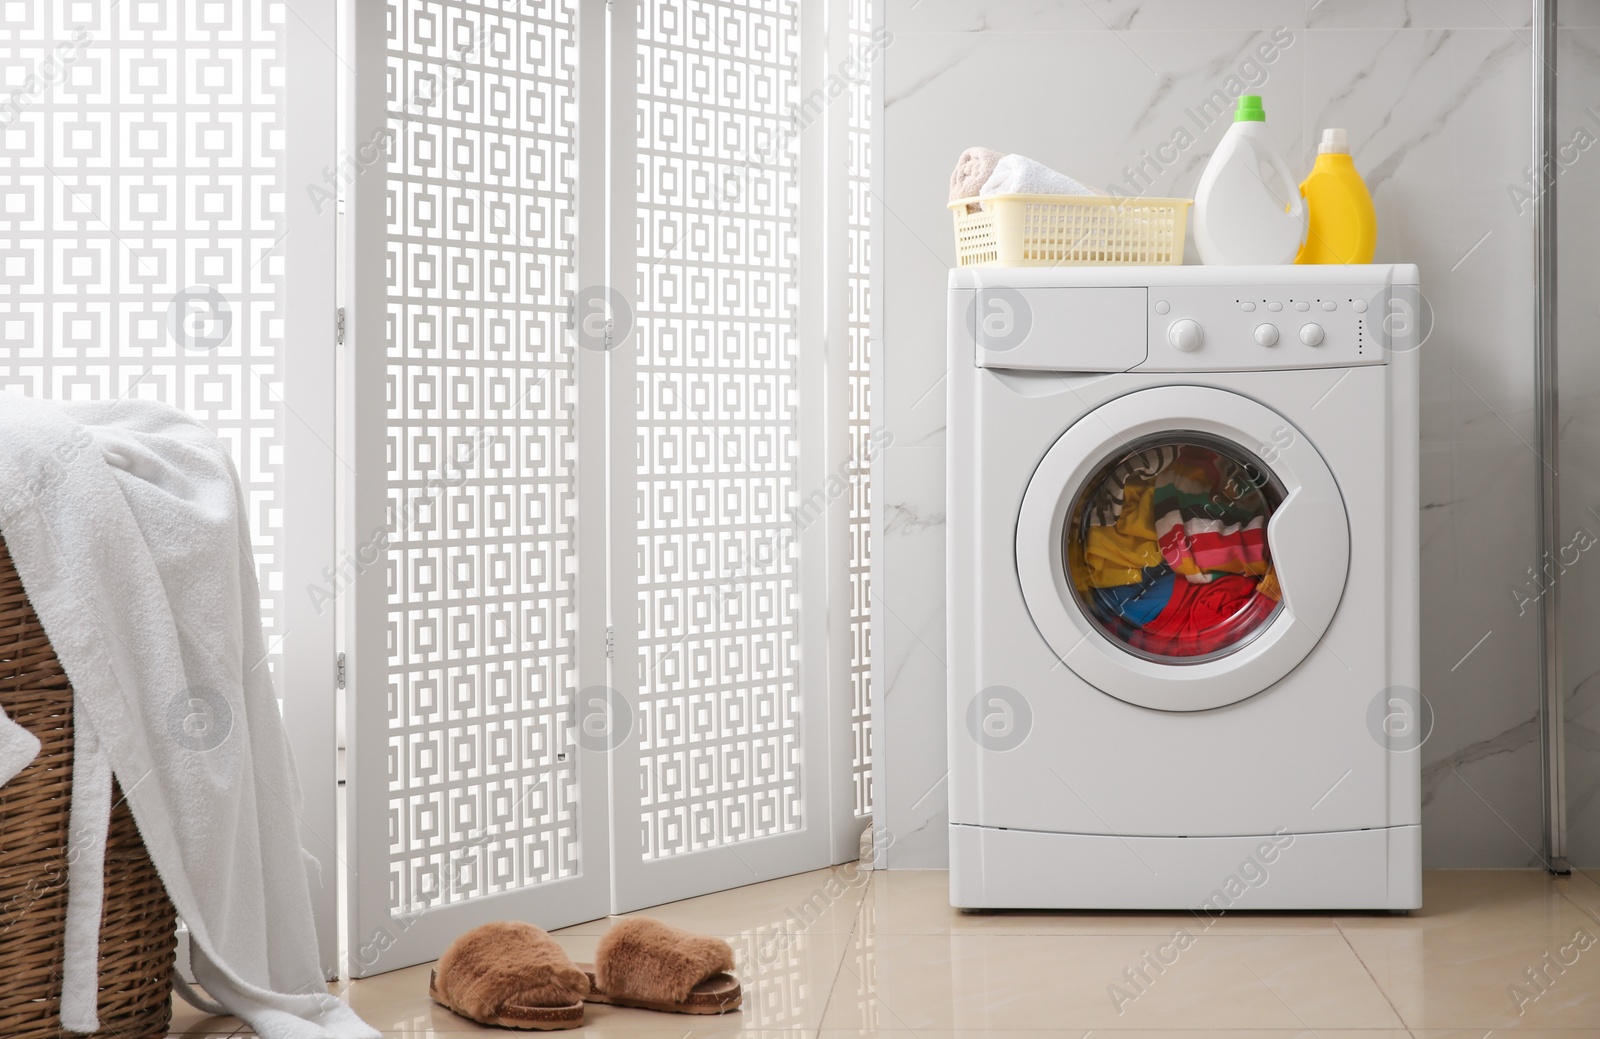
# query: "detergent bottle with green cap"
{"type": "Point", "coordinates": [1344, 226]}
{"type": "Point", "coordinates": [1246, 209]}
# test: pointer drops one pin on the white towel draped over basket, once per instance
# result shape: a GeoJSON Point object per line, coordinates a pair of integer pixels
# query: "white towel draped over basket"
{"type": "Point", "coordinates": [128, 528]}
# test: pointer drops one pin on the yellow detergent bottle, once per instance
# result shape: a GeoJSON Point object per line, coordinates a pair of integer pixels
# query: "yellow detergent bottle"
{"type": "Point", "coordinates": [1343, 227]}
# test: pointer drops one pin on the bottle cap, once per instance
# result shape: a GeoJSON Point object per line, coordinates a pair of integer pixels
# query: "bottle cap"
{"type": "Point", "coordinates": [1334, 141]}
{"type": "Point", "coordinates": [1250, 110]}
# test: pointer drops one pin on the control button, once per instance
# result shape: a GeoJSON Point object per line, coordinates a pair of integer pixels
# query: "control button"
{"type": "Point", "coordinates": [1267, 335]}
{"type": "Point", "coordinates": [1186, 335]}
{"type": "Point", "coordinates": [1329, 304]}
{"type": "Point", "coordinates": [1301, 304]}
{"type": "Point", "coordinates": [1162, 306]}
{"type": "Point", "coordinates": [1360, 306]}
{"type": "Point", "coordinates": [1247, 306]}
{"type": "Point", "coordinates": [1274, 306]}
{"type": "Point", "coordinates": [1311, 334]}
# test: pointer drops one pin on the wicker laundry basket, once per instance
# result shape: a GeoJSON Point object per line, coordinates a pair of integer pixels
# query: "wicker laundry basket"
{"type": "Point", "coordinates": [138, 927]}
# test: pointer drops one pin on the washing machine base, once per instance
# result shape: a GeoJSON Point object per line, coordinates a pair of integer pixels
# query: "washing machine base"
{"type": "Point", "coordinates": [1030, 869]}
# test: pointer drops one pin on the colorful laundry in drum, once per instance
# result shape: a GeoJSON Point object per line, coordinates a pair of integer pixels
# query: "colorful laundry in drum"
{"type": "Point", "coordinates": [1169, 551]}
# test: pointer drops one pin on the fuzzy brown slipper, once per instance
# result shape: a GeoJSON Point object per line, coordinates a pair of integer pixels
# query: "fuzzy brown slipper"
{"type": "Point", "coordinates": [648, 964]}
{"type": "Point", "coordinates": [512, 975]}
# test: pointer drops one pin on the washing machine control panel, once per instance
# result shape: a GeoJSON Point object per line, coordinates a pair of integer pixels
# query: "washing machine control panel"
{"type": "Point", "coordinates": [1239, 329]}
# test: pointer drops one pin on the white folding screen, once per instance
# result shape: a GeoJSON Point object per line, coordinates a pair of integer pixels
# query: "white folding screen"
{"type": "Point", "coordinates": [715, 427]}
{"type": "Point", "coordinates": [598, 658]}
{"type": "Point", "coordinates": [838, 109]}
{"type": "Point", "coordinates": [150, 158]}
{"type": "Point", "coordinates": [862, 441]}
{"type": "Point", "coordinates": [468, 629]}
{"type": "Point", "coordinates": [608, 459]}
{"type": "Point", "coordinates": [141, 154]}
{"type": "Point", "coordinates": [722, 779]}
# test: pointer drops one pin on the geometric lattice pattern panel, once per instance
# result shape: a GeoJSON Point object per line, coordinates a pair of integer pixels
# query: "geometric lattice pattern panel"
{"type": "Point", "coordinates": [860, 196]}
{"type": "Point", "coordinates": [141, 151]}
{"type": "Point", "coordinates": [481, 539]}
{"type": "Point", "coordinates": [717, 445]}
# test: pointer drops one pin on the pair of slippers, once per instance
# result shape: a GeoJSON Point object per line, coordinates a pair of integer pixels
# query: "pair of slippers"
{"type": "Point", "coordinates": [513, 975]}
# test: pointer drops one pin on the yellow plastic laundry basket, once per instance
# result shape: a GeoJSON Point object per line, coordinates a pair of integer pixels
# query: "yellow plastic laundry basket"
{"type": "Point", "coordinates": [1069, 230]}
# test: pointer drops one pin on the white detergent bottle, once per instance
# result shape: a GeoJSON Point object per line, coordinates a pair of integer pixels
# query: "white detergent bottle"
{"type": "Point", "coordinates": [1247, 208]}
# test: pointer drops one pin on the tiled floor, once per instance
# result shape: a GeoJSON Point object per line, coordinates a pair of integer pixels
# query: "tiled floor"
{"type": "Point", "coordinates": [837, 954]}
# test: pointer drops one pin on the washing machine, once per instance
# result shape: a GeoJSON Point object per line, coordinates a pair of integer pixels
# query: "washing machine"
{"type": "Point", "coordinates": [1182, 579]}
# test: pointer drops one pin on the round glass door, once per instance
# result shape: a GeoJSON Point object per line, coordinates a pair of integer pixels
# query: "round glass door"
{"type": "Point", "coordinates": [1166, 547]}
{"type": "Point", "coordinates": [1170, 565]}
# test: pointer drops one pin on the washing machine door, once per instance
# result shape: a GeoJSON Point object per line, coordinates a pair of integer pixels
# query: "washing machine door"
{"type": "Point", "coordinates": [1182, 547]}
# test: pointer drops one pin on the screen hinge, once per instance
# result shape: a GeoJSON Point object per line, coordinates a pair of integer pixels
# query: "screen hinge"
{"type": "Point", "coordinates": [338, 327]}
{"type": "Point", "coordinates": [339, 670]}
{"type": "Point", "coordinates": [611, 642]}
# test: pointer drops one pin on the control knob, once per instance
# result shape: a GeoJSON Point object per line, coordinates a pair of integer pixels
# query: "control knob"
{"type": "Point", "coordinates": [1186, 335]}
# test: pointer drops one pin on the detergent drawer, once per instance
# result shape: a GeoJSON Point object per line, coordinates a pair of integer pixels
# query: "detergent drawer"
{"type": "Point", "coordinates": [1099, 329]}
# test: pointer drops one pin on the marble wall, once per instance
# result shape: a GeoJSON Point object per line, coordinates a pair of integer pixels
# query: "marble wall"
{"type": "Point", "coordinates": [1436, 96]}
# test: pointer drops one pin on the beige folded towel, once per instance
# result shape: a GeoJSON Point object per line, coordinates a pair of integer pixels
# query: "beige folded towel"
{"type": "Point", "coordinates": [972, 170]}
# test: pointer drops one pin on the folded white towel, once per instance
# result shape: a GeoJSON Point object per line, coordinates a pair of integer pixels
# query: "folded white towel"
{"type": "Point", "coordinates": [18, 748]}
{"type": "Point", "coordinates": [1020, 175]}
{"type": "Point", "coordinates": [129, 531]}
